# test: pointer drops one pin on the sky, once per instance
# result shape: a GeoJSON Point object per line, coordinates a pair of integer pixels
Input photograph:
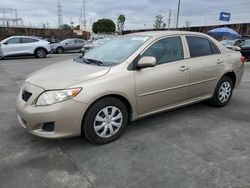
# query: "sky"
{"type": "Point", "coordinates": [139, 14]}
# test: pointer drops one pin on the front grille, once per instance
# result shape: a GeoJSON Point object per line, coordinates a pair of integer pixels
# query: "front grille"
{"type": "Point", "coordinates": [48, 127]}
{"type": "Point", "coordinates": [26, 95]}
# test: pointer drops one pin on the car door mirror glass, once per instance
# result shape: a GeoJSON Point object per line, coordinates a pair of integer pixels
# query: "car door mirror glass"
{"type": "Point", "coordinates": [147, 61]}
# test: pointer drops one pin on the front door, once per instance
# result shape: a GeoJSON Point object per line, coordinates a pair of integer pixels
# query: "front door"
{"type": "Point", "coordinates": [12, 46]}
{"type": "Point", "coordinates": [166, 84]}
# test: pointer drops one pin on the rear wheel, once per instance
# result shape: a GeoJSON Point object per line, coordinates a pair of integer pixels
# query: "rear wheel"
{"type": "Point", "coordinates": [59, 50]}
{"type": "Point", "coordinates": [105, 121]}
{"type": "Point", "coordinates": [41, 53]}
{"type": "Point", "coordinates": [223, 92]}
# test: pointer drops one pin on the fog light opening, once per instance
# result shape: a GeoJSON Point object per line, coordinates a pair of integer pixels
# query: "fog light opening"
{"type": "Point", "coordinates": [48, 127]}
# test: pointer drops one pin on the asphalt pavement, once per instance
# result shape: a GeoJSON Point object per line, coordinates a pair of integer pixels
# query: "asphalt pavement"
{"type": "Point", "coordinates": [195, 146]}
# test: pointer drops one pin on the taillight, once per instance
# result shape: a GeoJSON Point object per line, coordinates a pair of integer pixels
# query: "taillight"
{"type": "Point", "coordinates": [243, 59]}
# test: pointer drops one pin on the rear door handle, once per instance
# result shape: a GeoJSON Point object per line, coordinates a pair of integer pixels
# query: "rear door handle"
{"type": "Point", "coordinates": [219, 61]}
{"type": "Point", "coordinates": [184, 68]}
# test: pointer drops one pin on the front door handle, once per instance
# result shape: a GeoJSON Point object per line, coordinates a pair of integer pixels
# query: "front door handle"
{"type": "Point", "coordinates": [184, 68]}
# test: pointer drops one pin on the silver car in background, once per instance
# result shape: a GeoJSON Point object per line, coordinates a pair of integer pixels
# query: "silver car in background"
{"type": "Point", "coordinates": [93, 44]}
{"type": "Point", "coordinates": [24, 45]}
{"type": "Point", "coordinates": [71, 44]}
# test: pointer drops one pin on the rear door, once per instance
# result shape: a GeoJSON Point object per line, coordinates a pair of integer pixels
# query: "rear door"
{"type": "Point", "coordinates": [166, 84]}
{"type": "Point", "coordinates": [206, 66]}
{"type": "Point", "coordinates": [12, 46]}
{"type": "Point", "coordinates": [28, 45]}
{"type": "Point", "coordinates": [79, 44]}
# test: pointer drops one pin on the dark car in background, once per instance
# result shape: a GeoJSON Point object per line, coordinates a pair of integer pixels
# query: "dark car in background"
{"type": "Point", "coordinates": [245, 49]}
{"type": "Point", "coordinates": [68, 45]}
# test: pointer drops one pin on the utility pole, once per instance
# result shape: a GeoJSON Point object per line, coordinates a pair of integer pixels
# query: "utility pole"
{"type": "Point", "coordinates": [84, 15]}
{"type": "Point", "coordinates": [80, 20]}
{"type": "Point", "coordinates": [178, 13]}
{"type": "Point", "coordinates": [169, 19]}
{"type": "Point", "coordinates": [59, 14]}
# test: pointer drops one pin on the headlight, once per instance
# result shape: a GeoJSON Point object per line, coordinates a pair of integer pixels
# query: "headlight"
{"type": "Point", "coordinates": [52, 97]}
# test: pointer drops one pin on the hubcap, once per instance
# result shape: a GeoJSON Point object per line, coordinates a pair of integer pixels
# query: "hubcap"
{"type": "Point", "coordinates": [40, 53]}
{"type": "Point", "coordinates": [224, 92]}
{"type": "Point", "coordinates": [108, 121]}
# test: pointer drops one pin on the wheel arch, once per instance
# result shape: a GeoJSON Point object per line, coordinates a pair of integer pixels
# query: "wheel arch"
{"type": "Point", "coordinates": [232, 76]}
{"type": "Point", "coordinates": [123, 99]}
{"type": "Point", "coordinates": [40, 47]}
{"type": "Point", "coordinates": [60, 47]}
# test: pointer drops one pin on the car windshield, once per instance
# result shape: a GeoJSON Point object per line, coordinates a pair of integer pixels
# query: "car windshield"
{"type": "Point", "coordinates": [116, 50]}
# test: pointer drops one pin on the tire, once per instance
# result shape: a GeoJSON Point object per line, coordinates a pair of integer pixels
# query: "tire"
{"type": "Point", "coordinates": [59, 50]}
{"type": "Point", "coordinates": [41, 53]}
{"type": "Point", "coordinates": [97, 127]}
{"type": "Point", "coordinates": [223, 92]}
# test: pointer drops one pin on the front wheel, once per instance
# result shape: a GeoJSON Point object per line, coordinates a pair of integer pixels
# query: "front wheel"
{"type": "Point", "coordinates": [223, 92]}
{"type": "Point", "coordinates": [59, 50]}
{"type": "Point", "coordinates": [105, 120]}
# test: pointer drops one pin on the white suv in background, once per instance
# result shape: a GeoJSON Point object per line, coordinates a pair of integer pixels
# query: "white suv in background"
{"type": "Point", "coordinates": [24, 45]}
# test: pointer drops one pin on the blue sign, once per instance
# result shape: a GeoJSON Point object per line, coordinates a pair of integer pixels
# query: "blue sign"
{"type": "Point", "coordinates": [225, 16]}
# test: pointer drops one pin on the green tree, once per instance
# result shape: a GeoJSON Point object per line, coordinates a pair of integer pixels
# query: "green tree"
{"type": "Point", "coordinates": [120, 23]}
{"type": "Point", "coordinates": [77, 27]}
{"type": "Point", "coordinates": [65, 27]}
{"type": "Point", "coordinates": [104, 26]}
{"type": "Point", "coordinates": [159, 23]}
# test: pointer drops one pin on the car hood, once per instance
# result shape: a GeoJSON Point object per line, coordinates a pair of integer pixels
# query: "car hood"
{"type": "Point", "coordinates": [64, 74]}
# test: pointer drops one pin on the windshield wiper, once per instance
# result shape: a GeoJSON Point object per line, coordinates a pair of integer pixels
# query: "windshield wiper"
{"type": "Point", "coordinates": [89, 61]}
{"type": "Point", "coordinates": [94, 61]}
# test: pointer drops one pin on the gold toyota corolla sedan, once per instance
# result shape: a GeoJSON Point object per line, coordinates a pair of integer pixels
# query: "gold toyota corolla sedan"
{"type": "Point", "coordinates": [125, 79]}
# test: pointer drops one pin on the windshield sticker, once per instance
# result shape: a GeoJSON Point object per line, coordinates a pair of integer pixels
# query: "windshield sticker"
{"type": "Point", "coordinates": [140, 38]}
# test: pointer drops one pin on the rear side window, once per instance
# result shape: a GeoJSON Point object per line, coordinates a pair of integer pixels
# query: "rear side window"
{"type": "Point", "coordinates": [79, 41]}
{"type": "Point", "coordinates": [28, 40]}
{"type": "Point", "coordinates": [166, 50]}
{"type": "Point", "coordinates": [199, 46]}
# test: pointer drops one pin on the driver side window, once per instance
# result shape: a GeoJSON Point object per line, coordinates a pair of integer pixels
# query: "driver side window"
{"type": "Point", "coordinates": [14, 41]}
{"type": "Point", "coordinates": [165, 50]}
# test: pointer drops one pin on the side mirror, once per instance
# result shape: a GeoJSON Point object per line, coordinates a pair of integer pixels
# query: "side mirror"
{"type": "Point", "coordinates": [66, 43]}
{"type": "Point", "coordinates": [147, 61]}
{"type": "Point", "coordinates": [5, 43]}
{"type": "Point", "coordinates": [83, 53]}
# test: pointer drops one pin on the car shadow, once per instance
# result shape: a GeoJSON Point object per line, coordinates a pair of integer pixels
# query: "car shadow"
{"type": "Point", "coordinates": [134, 128]}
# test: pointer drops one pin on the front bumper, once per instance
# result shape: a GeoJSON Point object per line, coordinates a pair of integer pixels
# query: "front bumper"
{"type": "Point", "coordinates": [66, 116]}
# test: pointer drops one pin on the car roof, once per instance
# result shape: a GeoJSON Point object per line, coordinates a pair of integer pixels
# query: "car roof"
{"type": "Point", "coordinates": [23, 36]}
{"type": "Point", "coordinates": [166, 33]}
{"type": "Point", "coordinates": [73, 39]}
